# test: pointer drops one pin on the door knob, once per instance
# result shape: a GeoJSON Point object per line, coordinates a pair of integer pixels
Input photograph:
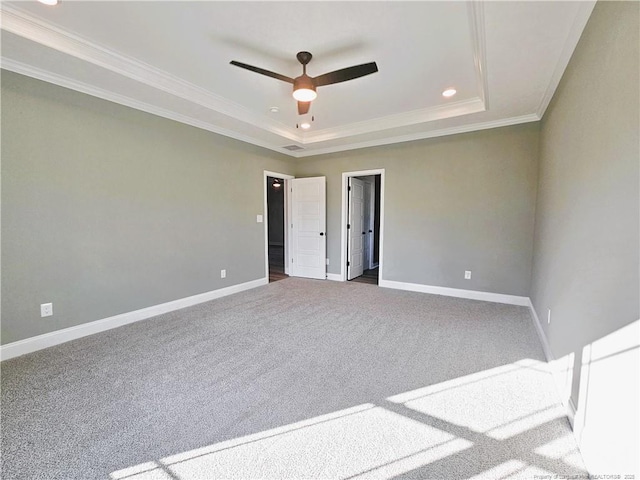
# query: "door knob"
{"type": "Point", "coordinates": [370, 231]}
{"type": "Point", "coordinates": [363, 233]}
{"type": "Point", "coordinates": [321, 234]}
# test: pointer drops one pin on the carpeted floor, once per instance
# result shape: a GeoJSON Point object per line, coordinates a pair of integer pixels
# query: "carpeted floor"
{"type": "Point", "coordinates": [296, 379]}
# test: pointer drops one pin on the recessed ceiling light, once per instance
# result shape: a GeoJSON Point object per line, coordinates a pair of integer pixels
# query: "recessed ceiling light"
{"type": "Point", "coordinates": [49, 2]}
{"type": "Point", "coordinates": [305, 125]}
{"type": "Point", "coordinates": [449, 92]}
{"type": "Point", "coordinates": [274, 109]}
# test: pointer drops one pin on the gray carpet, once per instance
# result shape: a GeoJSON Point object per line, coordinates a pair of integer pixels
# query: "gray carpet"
{"type": "Point", "coordinates": [296, 379]}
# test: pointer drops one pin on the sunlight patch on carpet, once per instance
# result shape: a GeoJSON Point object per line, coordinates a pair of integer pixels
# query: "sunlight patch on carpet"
{"type": "Point", "coordinates": [353, 442]}
{"type": "Point", "coordinates": [469, 401]}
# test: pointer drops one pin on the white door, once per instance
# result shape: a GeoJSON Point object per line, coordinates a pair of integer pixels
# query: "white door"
{"type": "Point", "coordinates": [308, 223]}
{"type": "Point", "coordinates": [355, 230]}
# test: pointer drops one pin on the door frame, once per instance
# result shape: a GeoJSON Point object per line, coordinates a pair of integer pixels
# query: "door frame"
{"type": "Point", "coordinates": [287, 216]}
{"type": "Point", "coordinates": [345, 215]}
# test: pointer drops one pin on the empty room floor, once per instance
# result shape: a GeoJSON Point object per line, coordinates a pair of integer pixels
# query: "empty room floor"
{"type": "Point", "coordinates": [296, 379]}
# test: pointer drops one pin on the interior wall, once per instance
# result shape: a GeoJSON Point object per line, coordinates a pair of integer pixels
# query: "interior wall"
{"type": "Point", "coordinates": [586, 260]}
{"type": "Point", "coordinates": [456, 203]}
{"type": "Point", "coordinates": [106, 209]}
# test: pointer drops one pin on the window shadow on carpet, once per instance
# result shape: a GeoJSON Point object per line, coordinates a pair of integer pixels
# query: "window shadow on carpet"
{"type": "Point", "coordinates": [442, 431]}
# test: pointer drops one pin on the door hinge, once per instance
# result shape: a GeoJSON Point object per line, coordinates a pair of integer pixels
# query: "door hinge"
{"type": "Point", "coordinates": [348, 226]}
{"type": "Point", "coordinates": [292, 260]}
{"type": "Point", "coordinates": [348, 264]}
{"type": "Point", "coordinates": [349, 188]}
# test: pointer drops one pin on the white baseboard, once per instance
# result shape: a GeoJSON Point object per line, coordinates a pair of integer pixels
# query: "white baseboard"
{"type": "Point", "coordinates": [46, 340]}
{"type": "Point", "coordinates": [571, 413]}
{"type": "Point", "coordinates": [334, 276]}
{"type": "Point", "coordinates": [567, 401]}
{"type": "Point", "coordinates": [457, 292]}
{"type": "Point", "coordinates": [543, 338]}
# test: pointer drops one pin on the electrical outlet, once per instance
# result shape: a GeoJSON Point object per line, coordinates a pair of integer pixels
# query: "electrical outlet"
{"type": "Point", "coordinates": [46, 310]}
{"type": "Point", "coordinates": [223, 274]}
{"type": "Point", "coordinates": [467, 274]}
{"type": "Point", "coordinates": [548, 316]}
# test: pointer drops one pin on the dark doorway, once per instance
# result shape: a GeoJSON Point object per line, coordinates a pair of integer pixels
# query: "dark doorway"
{"type": "Point", "coordinates": [370, 230]}
{"type": "Point", "coordinates": [275, 212]}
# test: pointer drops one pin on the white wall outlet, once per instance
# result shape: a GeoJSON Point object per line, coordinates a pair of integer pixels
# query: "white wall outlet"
{"type": "Point", "coordinates": [548, 316]}
{"type": "Point", "coordinates": [467, 274]}
{"type": "Point", "coordinates": [259, 218]}
{"type": "Point", "coordinates": [223, 274]}
{"type": "Point", "coordinates": [46, 309]}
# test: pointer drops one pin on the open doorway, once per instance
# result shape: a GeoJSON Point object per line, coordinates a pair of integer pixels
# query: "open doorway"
{"type": "Point", "coordinates": [363, 211]}
{"type": "Point", "coordinates": [276, 238]}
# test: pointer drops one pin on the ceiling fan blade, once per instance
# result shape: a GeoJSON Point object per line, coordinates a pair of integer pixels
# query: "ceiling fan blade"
{"type": "Point", "coordinates": [345, 74]}
{"type": "Point", "coordinates": [262, 71]}
{"type": "Point", "coordinates": [303, 107]}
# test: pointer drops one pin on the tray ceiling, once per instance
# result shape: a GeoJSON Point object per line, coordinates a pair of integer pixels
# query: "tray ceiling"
{"type": "Point", "coordinates": [171, 59]}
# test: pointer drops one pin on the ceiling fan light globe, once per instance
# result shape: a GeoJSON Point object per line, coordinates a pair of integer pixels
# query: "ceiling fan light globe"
{"type": "Point", "coordinates": [304, 94]}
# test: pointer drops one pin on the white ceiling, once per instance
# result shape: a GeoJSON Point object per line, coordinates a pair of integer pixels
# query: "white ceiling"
{"type": "Point", "coordinates": [172, 59]}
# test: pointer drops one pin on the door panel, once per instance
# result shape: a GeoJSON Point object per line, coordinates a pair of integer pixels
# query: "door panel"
{"type": "Point", "coordinates": [309, 245]}
{"type": "Point", "coordinates": [356, 233]}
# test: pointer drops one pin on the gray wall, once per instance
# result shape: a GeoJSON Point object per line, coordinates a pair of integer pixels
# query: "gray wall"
{"type": "Point", "coordinates": [585, 264]}
{"type": "Point", "coordinates": [463, 202]}
{"type": "Point", "coordinates": [106, 209]}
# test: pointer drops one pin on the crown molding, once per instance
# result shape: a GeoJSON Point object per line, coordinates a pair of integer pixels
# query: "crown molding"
{"type": "Point", "coordinates": [577, 27]}
{"type": "Point", "coordinates": [404, 119]}
{"type": "Point", "coordinates": [505, 122]}
{"type": "Point", "coordinates": [62, 81]}
{"type": "Point", "coordinates": [475, 11]}
{"type": "Point", "coordinates": [38, 30]}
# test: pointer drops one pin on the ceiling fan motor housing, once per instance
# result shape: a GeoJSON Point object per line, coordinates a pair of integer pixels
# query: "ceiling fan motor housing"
{"type": "Point", "coordinates": [303, 81]}
{"type": "Point", "coordinates": [304, 57]}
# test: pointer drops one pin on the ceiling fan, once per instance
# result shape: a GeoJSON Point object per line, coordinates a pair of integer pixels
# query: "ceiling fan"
{"type": "Point", "coordinates": [304, 86]}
